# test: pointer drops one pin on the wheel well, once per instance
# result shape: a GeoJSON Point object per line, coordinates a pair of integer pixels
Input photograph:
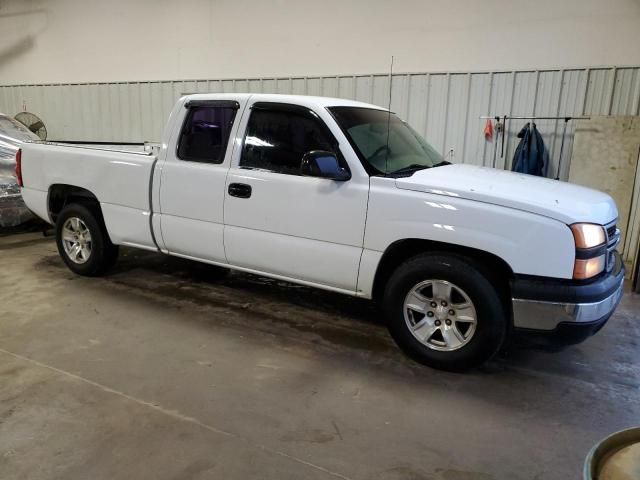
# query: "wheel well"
{"type": "Point", "coordinates": [61, 195]}
{"type": "Point", "coordinates": [495, 267]}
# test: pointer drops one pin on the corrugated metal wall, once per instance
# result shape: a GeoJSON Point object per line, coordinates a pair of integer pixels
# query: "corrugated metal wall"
{"type": "Point", "coordinates": [445, 107]}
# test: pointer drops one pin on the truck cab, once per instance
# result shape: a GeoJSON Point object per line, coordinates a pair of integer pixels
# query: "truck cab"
{"type": "Point", "coordinates": [241, 158]}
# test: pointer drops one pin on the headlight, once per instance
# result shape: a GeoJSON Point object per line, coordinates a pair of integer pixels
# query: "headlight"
{"type": "Point", "coordinates": [588, 268]}
{"type": "Point", "coordinates": [590, 259]}
{"type": "Point", "coordinates": [588, 235]}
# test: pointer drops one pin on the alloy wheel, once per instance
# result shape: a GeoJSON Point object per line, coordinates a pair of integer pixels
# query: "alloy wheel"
{"type": "Point", "coordinates": [76, 240]}
{"type": "Point", "coordinates": [440, 315]}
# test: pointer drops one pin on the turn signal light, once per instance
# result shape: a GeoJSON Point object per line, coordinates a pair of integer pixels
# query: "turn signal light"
{"type": "Point", "coordinates": [588, 268]}
{"type": "Point", "coordinates": [588, 235]}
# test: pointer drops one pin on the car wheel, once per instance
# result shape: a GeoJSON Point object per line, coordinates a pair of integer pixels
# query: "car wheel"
{"type": "Point", "coordinates": [443, 311]}
{"type": "Point", "coordinates": [83, 242]}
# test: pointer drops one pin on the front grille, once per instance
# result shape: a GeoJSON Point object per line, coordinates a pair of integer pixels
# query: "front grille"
{"type": "Point", "coordinates": [613, 238]}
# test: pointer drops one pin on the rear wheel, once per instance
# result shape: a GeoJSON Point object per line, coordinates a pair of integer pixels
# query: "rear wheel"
{"type": "Point", "coordinates": [83, 242]}
{"type": "Point", "coordinates": [444, 312]}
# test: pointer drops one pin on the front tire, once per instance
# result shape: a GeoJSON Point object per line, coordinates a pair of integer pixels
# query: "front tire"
{"type": "Point", "coordinates": [443, 311]}
{"type": "Point", "coordinates": [83, 242]}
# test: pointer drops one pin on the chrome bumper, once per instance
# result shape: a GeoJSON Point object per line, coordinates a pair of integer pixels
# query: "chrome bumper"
{"type": "Point", "coordinates": [547, 316]}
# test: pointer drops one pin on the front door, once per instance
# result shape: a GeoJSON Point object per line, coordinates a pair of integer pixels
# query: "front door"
{"type": "Point", "coordinates": [279, 222]}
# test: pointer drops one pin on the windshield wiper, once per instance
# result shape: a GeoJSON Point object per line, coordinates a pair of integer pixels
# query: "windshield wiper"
{"type": "Point", "coordinates": [442, 163]}
{"type": "Point", "coordinates": [414, 167]}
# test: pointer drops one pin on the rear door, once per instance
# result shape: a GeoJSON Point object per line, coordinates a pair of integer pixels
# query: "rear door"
{"type": "Point", "coordinates": [279, 222]}
{"type": "Point", "coordinates": [193, 176]}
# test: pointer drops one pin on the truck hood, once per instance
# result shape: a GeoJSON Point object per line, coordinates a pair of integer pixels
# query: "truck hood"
{"type": "Point", "coordinates": [562, 201]}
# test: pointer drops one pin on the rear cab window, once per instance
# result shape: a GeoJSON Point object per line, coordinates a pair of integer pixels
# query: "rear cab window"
{"type": "Point", "coordinates": [206, 129]}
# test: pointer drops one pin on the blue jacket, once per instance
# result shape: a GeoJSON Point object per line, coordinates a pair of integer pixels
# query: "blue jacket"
{"type": "Point", "coordinates": [531, 155]}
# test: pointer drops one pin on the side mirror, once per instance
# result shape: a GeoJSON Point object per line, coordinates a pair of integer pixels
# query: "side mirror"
{"type": "Point", "coordinates": [319, 163]}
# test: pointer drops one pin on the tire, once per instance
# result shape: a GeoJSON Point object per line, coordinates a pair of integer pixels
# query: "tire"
{"type": "Point", "coordinates": [95, 254]}
{"type": "Point", "coordinates": [457, 343]}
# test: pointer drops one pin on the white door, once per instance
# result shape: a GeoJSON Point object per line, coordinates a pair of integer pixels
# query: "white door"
{"type": "Point", "coordinates": [279, 222]}
{"type": "Point", "coordinates": [192, 182]}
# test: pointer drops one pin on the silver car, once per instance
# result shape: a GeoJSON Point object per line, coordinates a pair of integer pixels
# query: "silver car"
{"type": "Point", "coordinates": [12, 134]}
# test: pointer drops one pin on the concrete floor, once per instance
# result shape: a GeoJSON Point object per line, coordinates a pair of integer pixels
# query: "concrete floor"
{"type": "Point", "coordinates": [157, 371]}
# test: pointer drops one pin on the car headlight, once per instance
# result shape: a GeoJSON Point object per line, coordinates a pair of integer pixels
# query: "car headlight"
{"type": "Point", "coordinates": [587, 268]}
{"type": "Point", "coordinates": [590, 240]}
{"type": "Point", "coordinates": [588, 235]}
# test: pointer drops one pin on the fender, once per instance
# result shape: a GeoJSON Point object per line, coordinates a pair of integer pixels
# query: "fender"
{"type": "Point", "coordinates": [527, 243]}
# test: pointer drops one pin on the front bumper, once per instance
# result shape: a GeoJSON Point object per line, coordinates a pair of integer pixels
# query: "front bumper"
{"type": "Point", "coordinates": [564, 311]}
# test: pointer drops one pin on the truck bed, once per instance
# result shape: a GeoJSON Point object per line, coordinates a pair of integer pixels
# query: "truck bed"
{"type": "Point", "coordinates": [120, 180]}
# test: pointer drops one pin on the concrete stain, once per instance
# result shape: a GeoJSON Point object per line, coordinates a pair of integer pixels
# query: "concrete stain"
{"type": "Point", "coordinates": [306, 435]}
{"type": "Point", "coordinates": [13, 371]}
{"type": "Point", "coordinates": [461, 475]}
{"type": "Point", "coordinates": [5, 414]}
{"type": "Point", "coordinates": [196, 469]}
{"type": "Point", "coordinates": [407, 472]}
{"type": "Point", "coordinates": [303, 309]}
{"type": "Point", "coordinates": [23, 244]}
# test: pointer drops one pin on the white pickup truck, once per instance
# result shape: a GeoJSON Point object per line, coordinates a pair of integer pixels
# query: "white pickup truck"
{"type": "Point", "coordinates": [344, 196]}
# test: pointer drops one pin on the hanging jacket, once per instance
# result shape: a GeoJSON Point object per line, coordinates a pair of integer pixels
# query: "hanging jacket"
{"type": "Point", "coordinates": [531, 155]}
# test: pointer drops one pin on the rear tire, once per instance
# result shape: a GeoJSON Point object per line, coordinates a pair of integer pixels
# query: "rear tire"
{"type": "Point", "coordinates": [443, 311]}
{"type": "Point", "coordinates": [83, 242]}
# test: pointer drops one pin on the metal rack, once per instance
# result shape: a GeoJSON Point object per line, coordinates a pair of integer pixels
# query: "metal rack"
{"type": "Point", "coordinates": [506, 118]}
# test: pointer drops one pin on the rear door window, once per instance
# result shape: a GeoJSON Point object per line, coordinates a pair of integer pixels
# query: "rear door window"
{"type": "Point", "coordinates": [205, 132]}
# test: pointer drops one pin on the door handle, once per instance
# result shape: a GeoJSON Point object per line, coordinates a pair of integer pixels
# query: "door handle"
{"type": "Point", "coordinates": [240, 190]}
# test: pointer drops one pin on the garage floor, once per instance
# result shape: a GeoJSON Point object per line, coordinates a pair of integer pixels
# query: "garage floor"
{"type": "Point", "coordinates": [159, 372]}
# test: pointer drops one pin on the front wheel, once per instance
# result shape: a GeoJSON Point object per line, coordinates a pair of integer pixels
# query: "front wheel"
{"type": "Point", "coordinates": [444, 312]}
{"type": "Point", "coordinates": [83, 242]}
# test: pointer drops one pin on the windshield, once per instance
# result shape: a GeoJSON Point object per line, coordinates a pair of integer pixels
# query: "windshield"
{"type": "Point", "coordinates": [366, 129]}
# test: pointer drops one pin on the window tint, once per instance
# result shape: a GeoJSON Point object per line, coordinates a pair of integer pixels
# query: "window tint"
{"type": "Point", "coordinates": [276, 139]}
{"type": "Point", "coordinates": [205, 134]}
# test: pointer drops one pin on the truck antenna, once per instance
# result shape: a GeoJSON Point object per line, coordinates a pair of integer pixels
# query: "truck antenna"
{"type": "Point", "coordinates": [386, 159]}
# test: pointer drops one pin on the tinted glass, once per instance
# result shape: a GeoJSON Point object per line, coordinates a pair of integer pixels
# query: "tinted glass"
{"type": "Point", "coordinates": [276, 140]}
{"type": "Point", "coordinates": [205, 134]}
{"type": "Point", "coordinates": [368, 130]}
